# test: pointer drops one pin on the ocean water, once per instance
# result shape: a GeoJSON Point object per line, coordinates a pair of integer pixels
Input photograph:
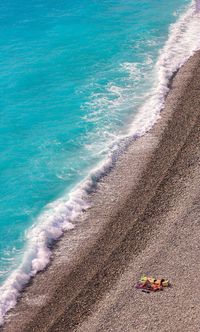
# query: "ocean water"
{"type": "Point", "coordinates": [79, 80]}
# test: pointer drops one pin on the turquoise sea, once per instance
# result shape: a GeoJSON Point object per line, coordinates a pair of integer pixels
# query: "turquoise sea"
{"type": "Point", "coordinates": [78, 78]}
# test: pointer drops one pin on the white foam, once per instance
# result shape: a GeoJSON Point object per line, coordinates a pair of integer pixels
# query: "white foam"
{"type": "Point", "coordinates": [182, 43]}
{"type": "Point", "coordinates": [60, 215]}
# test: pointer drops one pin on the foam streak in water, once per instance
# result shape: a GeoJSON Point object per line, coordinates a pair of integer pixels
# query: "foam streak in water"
{"type": "Point", "coordinates": [182, 43]}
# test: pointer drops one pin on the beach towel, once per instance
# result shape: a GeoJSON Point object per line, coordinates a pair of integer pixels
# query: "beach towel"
{"type": "Point", "coordinates": [151, 284]}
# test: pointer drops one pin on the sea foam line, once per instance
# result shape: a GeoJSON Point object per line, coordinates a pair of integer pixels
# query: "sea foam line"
{"type": "Point", "coordinates": [182, 43]}
{"type": "Point", "coordinates": [59, 216]}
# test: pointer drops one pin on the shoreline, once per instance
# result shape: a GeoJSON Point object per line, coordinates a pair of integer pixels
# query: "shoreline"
{"type": "Point", "coordinates": [73, 293]}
